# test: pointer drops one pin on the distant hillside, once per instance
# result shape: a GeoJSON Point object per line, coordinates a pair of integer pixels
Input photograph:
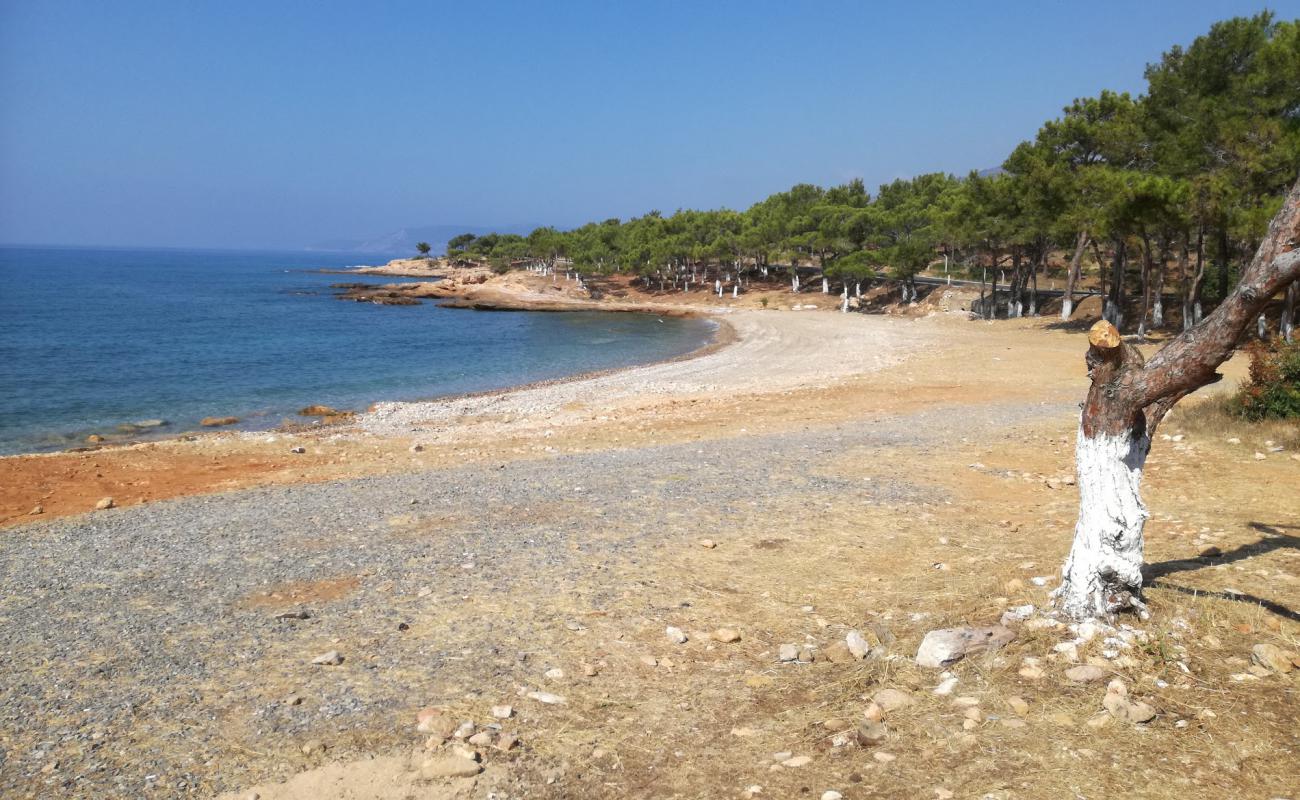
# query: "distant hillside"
{"type": "Point", "coordinates": [402, 241]}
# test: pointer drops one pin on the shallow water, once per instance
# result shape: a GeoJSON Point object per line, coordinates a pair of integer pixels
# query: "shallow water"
{"type": "Point", "coordinates": [93, 339]}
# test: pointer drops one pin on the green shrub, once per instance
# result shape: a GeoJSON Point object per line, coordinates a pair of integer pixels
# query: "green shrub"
{"type": "Point", "coordinates": [1273, 390]}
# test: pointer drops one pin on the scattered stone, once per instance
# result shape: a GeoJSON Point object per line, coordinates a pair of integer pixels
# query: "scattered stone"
{"type": "Point", "coordinates": [1031, 672]}
{"type": "Point", "coordinates": [883, 757]}
{"type": "Point", "coordinates": [857, 644]}
{"type": "Point", "coordinates": [1018, 705]}
{"type": "Point", "coordinates": [297, 450]}
{"type": "Point", "coordinates": [797, 761]}
{"type": "Point", "coordinates": [296, 614]}
{"type": "Point", "coordinates": [553, 674]}
{"type": "Point", "coordinates": [707, 544]}
{"type": "Point", "coordinates": [503, 712]}
{"type": "Point", "coordinates": [650, 661]}
{"type": "Point", "coordinates": [313, 747]}
{"type": "Point", "coordinates": [1086, 673]}
{"type": "Point", "coordinates": [1273, 658]}
{"type": "Point", "coordinates": [872, 731]}
{"type": "Point", "coordinates": [218, 422]}
{"type": "Point", "coordinates": [807, 655]}
{"type": "Point", "coordinates": [546, 697]}
{"type": "Point", "coordinates": [946, 686]}
{"type": "Point", "coordinates": [38, 509]}
{"type": "Point", "coordinates": [837, 653]}
{"type": "Point", "coordinates": [726, 635]}
{"type": "Point", "coordinates": [589, 670]}
{"type": "Point", "coordinates": [1061, 718]}
{"type": "Point", "coordinates": [1100, 721]}
{"type": "Point", "coordinates": [293, 700]}
{"type": "Point", "coordinates": [104, 504]}
{"type": "Point", "coordinates": [94, 438]}
{"type": "Point", "coordinates": [464, 730]}
{"type": "Point", "coordinates": [507, 742]}
{"type": "Point", "coordinates": [1013, 722]}
{"type": "Point", "coordinates": [943, 647]}
{"type": "Point", "coordinates": [942, 793]}
{"type": "Point", "coordinates": [452, 766]}
{"type": "Point", "coordinates": [831, 794]}
{"type": "Point", "coordinates": [891, 699]}
{"type": "Point", "coordinates": [481, 739]}
{"type": "Point", "coordinates": [788, 652]}
{"type": "Point", "coordinates": [1118, 705]}
{"type": "Point", "coordinates": [675, 635]}
{"type": "Point", "coordinates": [330, 659]}
{"type": "Point", "coordinates": [416, 448]}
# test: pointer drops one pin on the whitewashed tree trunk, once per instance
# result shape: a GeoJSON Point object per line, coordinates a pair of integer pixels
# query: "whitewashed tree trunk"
{"type": "Point", "coordinates": [794, 283]}
{"type": "Point", "coordinates": [1103, 573]}
{"type": "Point", "coordinates": [735, 290]}
{"type": "Point", "coordinates": [1286, 326]}
{"type": "Point", "coordinates": [1127, 399]}
{"type": "Point", "coordinates": [1157, 313]}
{"type": "Point", "coordinates": [1261, 327]}
{"type": "Point", "coordinates": [844, 296]}
{"type": "Point", "coordinates": [1067, 308]}
{"type": "Point", "coordinates": [857, 289]}
{"type": "Point", "coordinates": [826, 286]}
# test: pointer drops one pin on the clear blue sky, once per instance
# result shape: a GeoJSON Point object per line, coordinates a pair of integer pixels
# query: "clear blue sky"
{"type": "Point", "coordinates": [278, 124]}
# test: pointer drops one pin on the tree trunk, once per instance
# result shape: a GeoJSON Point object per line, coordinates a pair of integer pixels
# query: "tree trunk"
{"type": "Point", "coordinates": [1126, 402]}
{"type": "Point", "coordinates": [1146, 285]}
{"type": "Point", "coordinates": [1158, 298]}
{"type": "Point", "coordinates": [1286, 327]}
{"type": "Point", "coordinates": [826, 286]}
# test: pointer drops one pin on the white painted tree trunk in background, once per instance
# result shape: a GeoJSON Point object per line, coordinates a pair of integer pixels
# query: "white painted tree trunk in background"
{"type": "Point", "coordinates": [1261, 327]}
{"type": "Point", "coordinates": [857, 289]}
{"type": "Point", "coordinates": [1286, 326]}
{"type": "Point", "coordinates": [1157, 313]}
{"type": "Point", "coordinates": [1067, 308]}
{"type": "Point", "coordinates": [794, 283]}
{"type": "Point", "coordinates": [826, 286]}
{"type": "Point", "coordinates": [1103, 572]}
{"type": "Point", "coordinates": [735, 290]}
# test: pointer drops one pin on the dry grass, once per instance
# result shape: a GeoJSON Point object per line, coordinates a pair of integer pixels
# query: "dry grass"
{"type": "Point", "coordinates": [1213, 417]}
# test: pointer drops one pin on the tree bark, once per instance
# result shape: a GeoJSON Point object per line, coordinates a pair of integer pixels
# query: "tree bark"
{"type": "Point", "coordinates": [1126, 402]}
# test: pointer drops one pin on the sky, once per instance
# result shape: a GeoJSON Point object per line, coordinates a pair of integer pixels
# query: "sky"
{"type": "Point", "coordinates": [281, 124]}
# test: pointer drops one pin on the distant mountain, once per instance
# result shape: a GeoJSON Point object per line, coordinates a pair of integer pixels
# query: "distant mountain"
{"type": "Point", "coordinates": [402, 242]}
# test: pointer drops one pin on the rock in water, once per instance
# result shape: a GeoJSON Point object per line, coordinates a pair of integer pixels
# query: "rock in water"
{"type": "Point", "coordinates": [317, 411]}
{"type": "Point", "coordinates": [857, 644]}
{"type": "Point", "coordinates": [217, 422]}
{"type": "Point", "coordinates": [943, 647]}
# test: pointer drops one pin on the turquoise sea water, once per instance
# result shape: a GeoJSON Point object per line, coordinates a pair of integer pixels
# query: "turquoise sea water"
{"type": "Point", "coordinates": [91, 339]}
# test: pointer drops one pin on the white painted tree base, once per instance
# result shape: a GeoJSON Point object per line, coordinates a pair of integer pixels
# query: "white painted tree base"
{"type": "Point", "coordinates": [1103, 573]}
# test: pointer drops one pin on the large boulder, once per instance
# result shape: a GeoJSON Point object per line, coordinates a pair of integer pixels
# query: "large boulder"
{"type": "Point", "coordinates": [942, 647]}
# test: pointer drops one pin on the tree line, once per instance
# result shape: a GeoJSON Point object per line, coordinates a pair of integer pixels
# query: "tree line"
{"type": "Point", "coordinates": [1169, 192]}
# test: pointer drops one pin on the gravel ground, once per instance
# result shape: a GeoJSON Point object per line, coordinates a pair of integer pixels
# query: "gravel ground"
{"type": "Point", "coordinates": [141, 649]}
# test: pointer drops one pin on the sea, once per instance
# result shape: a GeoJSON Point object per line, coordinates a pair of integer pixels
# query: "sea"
{"type": "Point", "coordinates": [96, 341]}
